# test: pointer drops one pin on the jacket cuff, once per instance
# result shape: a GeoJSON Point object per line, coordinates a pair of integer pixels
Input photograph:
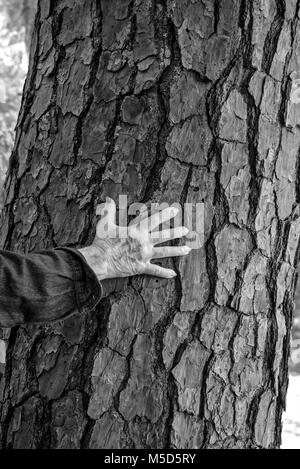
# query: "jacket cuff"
{"type": "Point", "coordinates": [88, 289]}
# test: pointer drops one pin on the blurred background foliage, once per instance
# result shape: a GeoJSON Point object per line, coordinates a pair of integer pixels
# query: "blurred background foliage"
{"type": "Point", "coordinates": [16, 20]}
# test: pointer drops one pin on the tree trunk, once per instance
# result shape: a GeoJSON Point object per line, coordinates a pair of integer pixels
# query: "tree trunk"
{"type": "Point", "coordinates": [185, 100]}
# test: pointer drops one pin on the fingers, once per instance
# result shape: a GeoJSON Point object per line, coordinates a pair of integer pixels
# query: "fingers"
{"type": "Point", "coordinates": [158, 271]}
{"type": "Point", "coordinates": [108, 211]}
{"type": "Point", "coordinates": [170, 251]}
{"type": "Point", "coordinates": [158, 218]}
{"type": "Point", "coordinates": [167, 235]}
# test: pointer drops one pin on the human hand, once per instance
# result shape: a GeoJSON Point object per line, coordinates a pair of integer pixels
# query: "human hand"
{"type": "Point", "coordinates": [112, 256]}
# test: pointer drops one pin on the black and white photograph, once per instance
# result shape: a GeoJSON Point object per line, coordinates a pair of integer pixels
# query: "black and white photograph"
{"type": "Point", "coordinates": [149, 227]}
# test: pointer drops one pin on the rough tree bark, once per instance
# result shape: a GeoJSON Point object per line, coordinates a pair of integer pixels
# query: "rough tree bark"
{"type": "Point", "coordinates": [162, 100]}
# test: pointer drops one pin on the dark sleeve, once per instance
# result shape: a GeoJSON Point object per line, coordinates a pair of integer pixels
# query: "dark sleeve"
{"type": "Point", "coordinates": [45, 286]}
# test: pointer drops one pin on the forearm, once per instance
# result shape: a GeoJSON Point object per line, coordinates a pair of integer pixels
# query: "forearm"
{"type": "Point", "coordinates": [46, 286]}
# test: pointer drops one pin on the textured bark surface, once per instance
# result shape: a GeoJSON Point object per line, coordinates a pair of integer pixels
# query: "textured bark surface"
{"type": "Point", "coordinates": [179, 100]}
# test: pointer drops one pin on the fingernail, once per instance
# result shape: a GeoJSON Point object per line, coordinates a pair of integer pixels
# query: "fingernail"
{"type": "Point", "coordinates": [174, 211]}
{"type": "Point", "coordinates": [173, 274]}
{"type": "Point", "coordinates": [187, 249]}
{"type": "Point", "coordinates": [186, 230]}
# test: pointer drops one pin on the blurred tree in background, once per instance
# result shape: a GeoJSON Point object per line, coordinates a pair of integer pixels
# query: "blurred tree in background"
{"type": "Point", "coordinates": [15, 32]}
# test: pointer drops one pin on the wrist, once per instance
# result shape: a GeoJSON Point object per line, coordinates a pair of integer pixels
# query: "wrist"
{"type": "Point", "coordinates": [96, 259]}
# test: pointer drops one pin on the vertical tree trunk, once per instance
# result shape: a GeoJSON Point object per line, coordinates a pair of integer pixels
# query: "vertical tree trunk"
{"type": "Point", "coordinates": [164, 101]}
